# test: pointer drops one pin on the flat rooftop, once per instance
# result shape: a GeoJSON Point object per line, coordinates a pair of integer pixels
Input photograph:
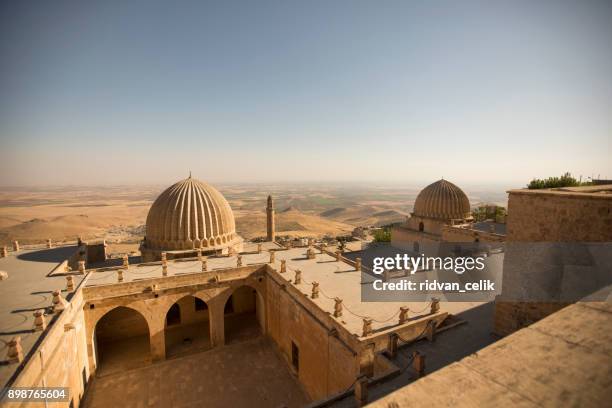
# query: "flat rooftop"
{"type": "Point", "coordinates": [336, 279]}
{"type": "Point", "coordinates": [29, 287]}
{"type": "Point", "coordinates": [597, 191]}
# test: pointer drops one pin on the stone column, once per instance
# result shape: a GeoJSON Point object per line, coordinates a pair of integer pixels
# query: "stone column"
{"type": "Point", "coordinates": [361, 391]}
{"type": "Point", "coordinates": [3, 252]}
{"type": "Point", "coordinates": [310, 253]}
{"type": "Point", "coordinates": [259, 248]}
{"type": "Point", "coordinates": [164, 268]}
{"type": "Point", "coordinates": [15, 352]}
{"type": "Point", "coordinates": [435, 305]}
{"type": "Point", "coordinates": [298, 277]}
{"type": "Point", "coordinates": [403, 316]}
{"type": "Point", "coordinates": [40, 323]}
{"type": "Point", "coordinates": [337, 307]}
{"type": "Point", "coordinates": [216, 318]}
{"type": "Point", "coordinates": [49, 243]}
{"type": "Point", "coordinates": [126, 261]}
{"type": "Point", "coordinates": [315, 290]}
{"type": "Point", "coordinates": [272, 257]}
{"type": "Point", "coordinates": [418, 364]}
{"type": "Point", "coordinates": [157, 339]}
{"type": "Point", "coordinates": [270, 226]}
{"type": "Point", "coordinates": [58, 302]}
{"type": "Point", "coordinates": [204, 265]}
{"type": "Point", "coordinates": [367, 327]}
{"type": "Point", "coordinates": [120, 275]}
{"type": "Point", "coordinates": [82, 266]}
{"type": "Point", "coordinates": [69, 283]}
{"type": "Point", "coordinates": [16, 248]}
{"type": "Point", "coordinates": [393, 344]}
{"type": "Point", "coordinates": [239, 261]}
{"type": "Point", "coordinates": [358, 264]}
{"type": "Point", "coordinates": [283, 267]}
{"type": "Point", "coordinates": [338, 256]}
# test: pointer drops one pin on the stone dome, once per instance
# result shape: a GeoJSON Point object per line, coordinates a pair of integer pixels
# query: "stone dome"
{"type": "Point", "coordinates": [188, 215]}
{"type": "Point", "coordinates": [442, 200]}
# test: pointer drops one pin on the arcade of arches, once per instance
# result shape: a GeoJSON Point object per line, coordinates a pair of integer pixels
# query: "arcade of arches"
{"type": "Point", "coordinates": [137, 334]}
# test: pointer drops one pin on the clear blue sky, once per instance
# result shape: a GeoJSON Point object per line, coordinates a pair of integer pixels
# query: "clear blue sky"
{"type": "Point", "coordinates": [113, 92]}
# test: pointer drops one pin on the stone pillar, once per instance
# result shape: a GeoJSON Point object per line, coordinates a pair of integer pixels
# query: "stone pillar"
{"type": "Point", "coordinates": [164, 257]}
{"type": "Point", "coordinates": [259, 248]}
{"type": "Point", "coordinates": [120, 275]}
{"type": "Point", "coordinates": [15, 352]}
{"type": "Point", "coordinates": [59, 303]}
{"type": "Point", "coordinates": [238, 261]}
{"type": "Point", "coordinates": [338, 255]}
{"type": "Point", "coordinates": [204, 265]}
{"type": "Point", "coordinates": [82, 266]}
{"type": "Point", "coordinates": [3, 252]}
{"type": "Point", "coordinates": [403, 316]}
{"type": "Point", "coordinates": [337, 307]}
{"type": "Point", "coordinates": [393, 344]}
{"type": "Point", "coordinates": [40, 323]}
{"type": "Point", "coordinates": [16, 248]}
{"type": "Point", "coordinates": [435, 305]}
{"type": "Point", "coordinates": [367, 327]}
{"type": "Point", "coordinates": [217, 323]}
{"type": "Point", "coordinates": [358, 264]}
{"type": "Point", "coordinates": [283, 267]}
{"type": "Point", "coordinates": [361, 391]}
{"type": "Point", "coordinates": [49, 243]}
{"type": "Point", "coordinates": [310, 253]}
{"type": "Point", "coordinates": [430, 331]}
{"type": "Point", "coordinates": [272, 258]}
{"type": "Point", "coordinates": [157, 340]}
{"type": "Point", "coordinates": [69, 283]}
{"type": "Point", "coordinates": [126, 261]}
{"type": "Point", "coordinates": [270, 226]}
{"type": "Point", "coordinates": [315, 290]}
{"type": "Point", "coordinates": [298, 277]}
{"type": "Point", "coordinates": [164, 268]}
{"type": "Point", "coordinates": [418, 364]}
{"type": "Point", "coordinates": [199, 254]}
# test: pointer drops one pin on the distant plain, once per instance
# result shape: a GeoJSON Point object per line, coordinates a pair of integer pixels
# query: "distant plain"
{"type": "Point", "coordinates": [118, 213]}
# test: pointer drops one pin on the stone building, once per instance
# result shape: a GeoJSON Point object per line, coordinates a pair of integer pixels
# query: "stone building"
{"type": "Point", "coordinates": [187, 217]}
{"type": "Point", "coordinates": [442, 214]}
{"type": "Point", "coordinates": [210, 320]}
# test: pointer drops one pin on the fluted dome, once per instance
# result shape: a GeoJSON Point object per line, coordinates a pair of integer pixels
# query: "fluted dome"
{"type": "Point", "coordinates": [190, 214]}
{"type": "Point", "coordinates": [442, 200]}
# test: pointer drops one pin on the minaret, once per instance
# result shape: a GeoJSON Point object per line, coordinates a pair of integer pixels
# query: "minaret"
{"type": "Point", "coordinates": [271, 235]}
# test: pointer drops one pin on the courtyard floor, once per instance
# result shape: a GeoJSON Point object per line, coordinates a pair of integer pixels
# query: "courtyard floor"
{"type": "Point", "coordinates": [245, 374]}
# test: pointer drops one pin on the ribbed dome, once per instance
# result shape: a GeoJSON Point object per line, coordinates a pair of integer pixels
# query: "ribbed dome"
{"type": "Point", "coordinates": [442, 200]}
{"type": "Point", "coordinates": [190, 214]}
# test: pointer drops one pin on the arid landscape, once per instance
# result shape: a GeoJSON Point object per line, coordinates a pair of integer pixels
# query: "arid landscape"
{"type": "Point", "coordinates": [32, 215]}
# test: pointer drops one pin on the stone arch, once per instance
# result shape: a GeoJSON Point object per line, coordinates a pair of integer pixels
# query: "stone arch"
{"type": "Point", "coordinates": [191, 331]}
{"type": "Point", "coordinates": [244, 314]}
{"type": "Point", "coordinates": [121, 339]}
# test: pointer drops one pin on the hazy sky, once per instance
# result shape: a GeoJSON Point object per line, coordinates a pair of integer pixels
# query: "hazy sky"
{"type": "Point", "coordinates": [250, 91]}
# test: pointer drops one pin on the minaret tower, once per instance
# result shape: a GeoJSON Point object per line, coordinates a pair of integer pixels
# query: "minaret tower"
{"type": "Point", "coordinates": [271, 230]}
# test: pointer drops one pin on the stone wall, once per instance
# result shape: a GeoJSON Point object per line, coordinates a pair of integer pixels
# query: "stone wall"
{"type": "Point", "coordinates": [547, 216]}
{"type": "Point", "coordinates": [327, 362]}
{"type": "Point", "coordinates": [60, 360]}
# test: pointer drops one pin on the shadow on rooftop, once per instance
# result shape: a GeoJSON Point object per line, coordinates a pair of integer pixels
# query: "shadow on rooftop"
{"type": "Point", "coordinates": [55, 255]}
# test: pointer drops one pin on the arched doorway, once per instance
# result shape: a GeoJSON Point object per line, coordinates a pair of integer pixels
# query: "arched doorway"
{"type": "Point", "coordinates": [121, 340]}
{"type": "Point", "coordinates": [244, 315]}
{"type": "Point", "coordinates": [187, 327]}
